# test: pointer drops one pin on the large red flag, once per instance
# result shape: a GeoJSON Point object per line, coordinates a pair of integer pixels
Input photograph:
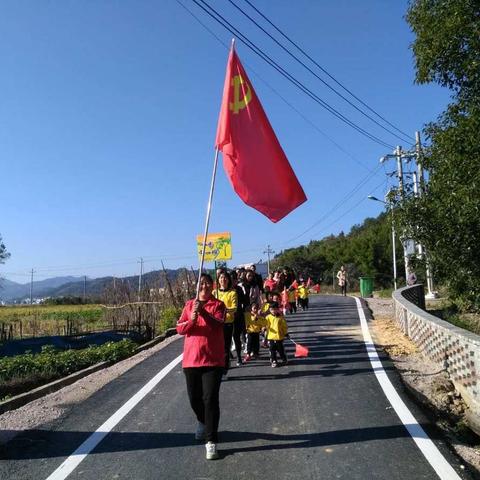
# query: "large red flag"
{"type": "Point", "coordinates": [252, 156]}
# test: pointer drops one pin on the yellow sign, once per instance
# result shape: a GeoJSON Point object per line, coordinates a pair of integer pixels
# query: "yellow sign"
{"type": "Point", "coordinates": [240, 103]}
{"type": "Point", "coordinates": [218, 246]}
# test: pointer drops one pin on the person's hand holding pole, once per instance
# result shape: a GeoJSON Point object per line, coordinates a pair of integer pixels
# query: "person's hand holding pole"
{"type": "Point", "coordinates": [196, 308]}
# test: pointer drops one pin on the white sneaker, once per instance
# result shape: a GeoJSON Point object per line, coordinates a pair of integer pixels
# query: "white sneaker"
{"type": "Point", "coordinates": [200, 432]}
{"type": "Point", "coordinates": [212, 453]}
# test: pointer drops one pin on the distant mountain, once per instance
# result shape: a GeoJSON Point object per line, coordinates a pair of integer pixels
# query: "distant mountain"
{"type": "Point", "coordinates": [10, 291]}
{"type": "Point", "coordinates": [96, 286]}
{"type": "Point", "coordinates": [73, 286]}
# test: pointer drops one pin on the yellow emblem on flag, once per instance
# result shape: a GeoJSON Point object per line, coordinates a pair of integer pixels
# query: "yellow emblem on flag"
{"type": "Point", "coordinates": [240, 102]}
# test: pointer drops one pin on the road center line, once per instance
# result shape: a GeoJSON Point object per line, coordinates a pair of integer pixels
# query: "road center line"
{"type": "Point", "coordinates": [72, 462]}
{"type": "Point", "coordinates": [438, 462]}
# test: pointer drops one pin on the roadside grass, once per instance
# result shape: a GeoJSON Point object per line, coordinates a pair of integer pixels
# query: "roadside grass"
{"type": "Point", "coordinates": [385, 293]}
{"type": "Point", "coordinates": [448, 311]}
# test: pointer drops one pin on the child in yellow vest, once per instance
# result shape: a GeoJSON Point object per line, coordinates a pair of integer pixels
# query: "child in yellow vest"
{"type": "Point", "coordinates": [254, 321]}
{"type": "Point", "coordinates": [292, 301]}
{"type": "Point", "coordinates": [277, 330]}
{"type": "Point", "coordinates": [303, 296]}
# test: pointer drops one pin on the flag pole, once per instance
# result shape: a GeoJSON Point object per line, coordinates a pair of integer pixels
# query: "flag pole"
{"type": "Point", "coordinates": [207, 220]}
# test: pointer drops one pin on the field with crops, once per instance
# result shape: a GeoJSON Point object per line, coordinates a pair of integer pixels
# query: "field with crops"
{"type": "Point", "coordinates": [50, 311]}
{"type": "Point", "coordinates": [18, 322]}
{"type": "Point", "coordinates": [40, 320]}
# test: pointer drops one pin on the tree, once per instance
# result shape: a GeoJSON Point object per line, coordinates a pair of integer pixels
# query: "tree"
{"type": "Point", "coordinates": [447, 44]}
{"type": "Point", "coordinates": [445, 218]}
{"type": "Point", "coordinates": [366, 250]}
{"type": "Point", "coordinates": [4, 255]}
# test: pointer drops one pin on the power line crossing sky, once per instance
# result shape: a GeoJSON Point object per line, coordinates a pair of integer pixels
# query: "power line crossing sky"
{"type": "Point", "coordinates": [109, 112]}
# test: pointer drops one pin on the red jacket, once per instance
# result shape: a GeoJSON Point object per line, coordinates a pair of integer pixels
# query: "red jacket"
{"type": "Point", "coordinates": [204, 344]}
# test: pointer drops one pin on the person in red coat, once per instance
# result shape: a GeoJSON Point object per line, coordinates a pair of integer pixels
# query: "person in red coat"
{"type": "Point", "coordinates": [203, 360]}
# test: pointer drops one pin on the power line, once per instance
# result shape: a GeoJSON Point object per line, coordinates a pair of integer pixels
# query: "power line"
{"type": "Point", "coordinates": [336, 206]}
{"type": "Point", "coordinates": [252, 46]}
{"type": "Point", "coordinates": [315, 75]}
{"type": "Point", "coordinates": [304, 117]}
{"type": "Point", "coordinates": [350, 209]}
{"type": "Point", "coordinates": [324, 70]}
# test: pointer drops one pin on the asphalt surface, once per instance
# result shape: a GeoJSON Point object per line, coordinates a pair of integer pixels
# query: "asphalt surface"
{"type": "Point", "coordinates": [322, 417]}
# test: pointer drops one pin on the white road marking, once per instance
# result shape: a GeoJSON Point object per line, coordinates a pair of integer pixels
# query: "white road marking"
{"type": "Point", "coordinates": [438, 462]}
{"type": "Point", "coordinates": [72, 462]}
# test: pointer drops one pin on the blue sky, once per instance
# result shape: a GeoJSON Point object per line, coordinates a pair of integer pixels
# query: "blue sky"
{"type": "Point", "coordinates": [108, 117]}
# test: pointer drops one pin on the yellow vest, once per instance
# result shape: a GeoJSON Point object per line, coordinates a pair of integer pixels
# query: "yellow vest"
{"type": "Point", "coordinates": [276, 327]}
{"type": "Point", "coordinates": [229, 298]}
{"type": "Point", "coordinates": [302, 292]}
{"type": "Point", "coordinates": [254, 325]}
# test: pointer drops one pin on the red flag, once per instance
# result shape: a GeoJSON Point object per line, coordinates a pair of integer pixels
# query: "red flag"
{"type": "Point", "coordinates": [252, 156]}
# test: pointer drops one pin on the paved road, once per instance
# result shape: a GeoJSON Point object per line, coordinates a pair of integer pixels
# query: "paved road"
{"type": "Point", "coordinates": [324, 417]}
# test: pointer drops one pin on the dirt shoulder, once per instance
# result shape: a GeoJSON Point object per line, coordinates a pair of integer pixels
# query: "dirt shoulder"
{"type": "Point", "coordinates": [426, 382]}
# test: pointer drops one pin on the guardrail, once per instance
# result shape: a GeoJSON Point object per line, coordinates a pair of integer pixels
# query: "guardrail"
{"type": "Point", "coordinates": [452, 348]}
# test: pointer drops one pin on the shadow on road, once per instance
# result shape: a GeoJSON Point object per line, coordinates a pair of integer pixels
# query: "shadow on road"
{"type": "Point", "coordinates": [63, 443]}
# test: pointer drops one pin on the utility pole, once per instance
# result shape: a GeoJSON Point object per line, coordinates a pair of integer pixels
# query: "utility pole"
{"type": "Point", "coordinates": [31, 286]}
{"type": "Point", "coordinates": [140, 277]}
{"type": "Point", "coordinates": [394, 253]}
{"type": "Point", "coordinates": [398, 154]}
{"type": "Point", "coordinates": [418, 150]}
{"type": "Point", "coordinates": [388, 201]}
{"type": "Point", "coordinates": [418, 189]}
{"type": "Point", "coordinates": [84, 288]}
{"type": "Point", "coordinates": [268, 251]}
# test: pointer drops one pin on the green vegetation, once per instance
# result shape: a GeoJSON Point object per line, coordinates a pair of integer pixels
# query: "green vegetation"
{"type": "Point", "coordinates": [449, 311]}
{"type": "Point", "coordinates": [4, 255]}
{"type": "Point", "coordinates": [51, 312]}
{"type": "Point", "coordinates": [169, 317]}
{"type": "Point", "coordinates": [445, 218]}
{"type": "Point", "coordinates": [365, 251]}
{"type": "Point", "coordinates": [68, 300]}
{"type": "Point", "coordinates": [41, 320]}
{"type": "Point", "coordinates": [386, 293]}
{"type": "Point", "coordinates": [45, 320]}
{"type": "Point", "coordinates": [24, 372]}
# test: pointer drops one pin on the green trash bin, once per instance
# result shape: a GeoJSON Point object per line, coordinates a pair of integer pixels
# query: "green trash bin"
{"type": "Point", "coordinates": [366, 286]}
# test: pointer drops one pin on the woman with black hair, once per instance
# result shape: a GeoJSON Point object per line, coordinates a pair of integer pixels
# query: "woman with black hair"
{"type": "Point", "coordinates": [228, 295]}
{"type": "Point", "coordinates": [202, 322]}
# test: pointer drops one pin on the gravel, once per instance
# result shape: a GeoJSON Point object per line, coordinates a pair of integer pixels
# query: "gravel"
{"type": "Point", "coordinates": [427, 382]}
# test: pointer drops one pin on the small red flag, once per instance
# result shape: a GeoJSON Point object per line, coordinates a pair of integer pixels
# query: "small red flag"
{"type": "Point", "coordinates": [253, 159]}
{"type": "Point", "coordinates": [301, 351]}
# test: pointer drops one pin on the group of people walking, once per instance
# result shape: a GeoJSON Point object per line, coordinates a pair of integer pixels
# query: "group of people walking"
{"type": "Point", "coordinates": [238, 306]}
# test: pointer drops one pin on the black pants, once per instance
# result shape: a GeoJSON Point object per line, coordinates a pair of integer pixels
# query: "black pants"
{"type": "Point", "coordinates": [293, 307]}
{"type": "Point", "coordinates": [344, 289]}
{"type": "Point", "coordinates": [227, 335]}
{"type": "Point", "coordinates": [203, 387]}
{"type": "Point", "coordinates": [238, 332]}
{"type": "Point", "coordinates": [276, 346]}
{"type": "Point", "coordinates": [253, 343]}
{"type": "Point", "coordinates": [303, 303]}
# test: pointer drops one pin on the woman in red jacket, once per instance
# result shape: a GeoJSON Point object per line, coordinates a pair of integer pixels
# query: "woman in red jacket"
{"type": "Point", "coordinates": [202, 322]}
